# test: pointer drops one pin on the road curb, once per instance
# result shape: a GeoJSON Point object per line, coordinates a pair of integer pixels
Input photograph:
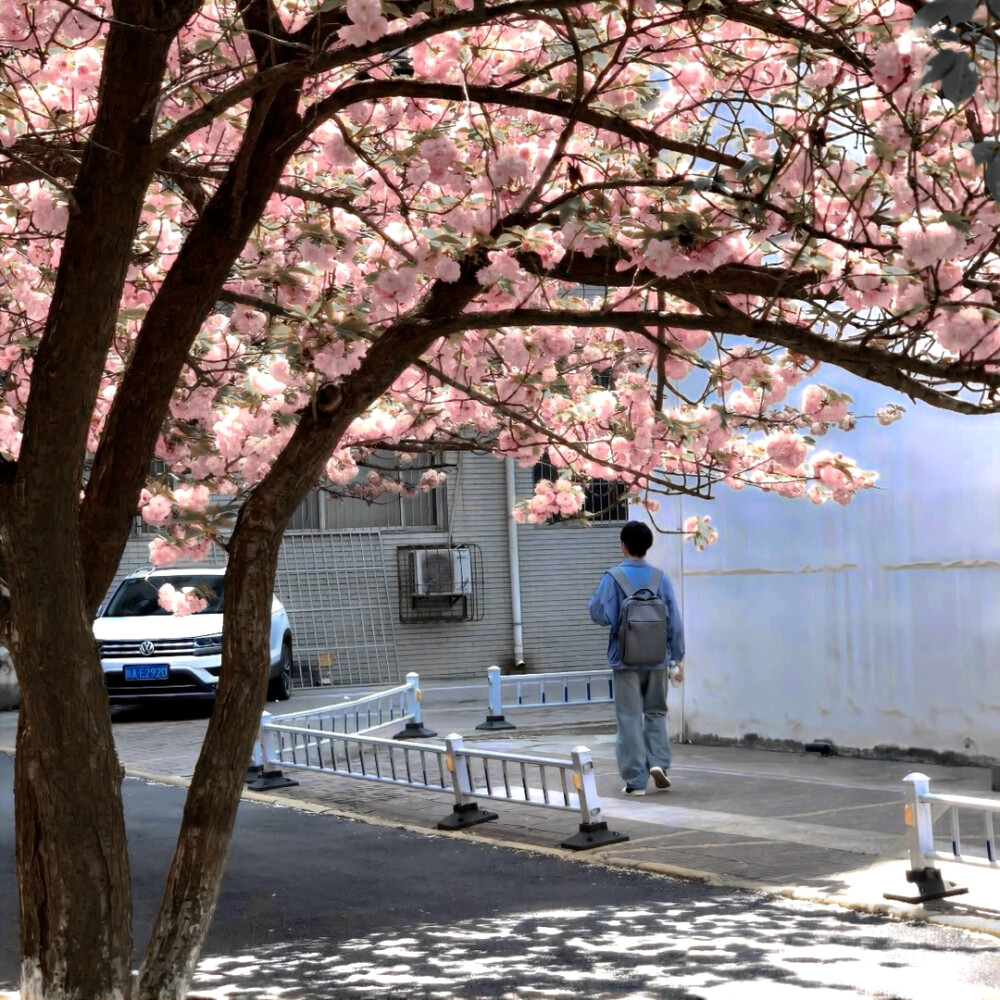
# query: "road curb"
{"type": "Point", "coordinates": [803, 894]}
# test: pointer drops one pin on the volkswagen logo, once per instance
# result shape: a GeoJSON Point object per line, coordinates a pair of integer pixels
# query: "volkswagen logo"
{"type": "Point", "coordinates": [146, 648]}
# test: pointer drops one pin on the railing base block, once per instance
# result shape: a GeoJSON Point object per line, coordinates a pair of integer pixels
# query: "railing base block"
{"type": "Point", "coordinates": [467, 814]}
{"type": "Point", "coordinates": [269, 780]}
{"type": "Point", "coordinates": [591, 836]}
{"type": "Point", "coordinates": [415, 731]}
{"type": "Point", "coordinates": [930, 885]}
{"type": "Point", "coordinates": [254, 772]}
{"type": "Point", "coordinates": [496, 722]}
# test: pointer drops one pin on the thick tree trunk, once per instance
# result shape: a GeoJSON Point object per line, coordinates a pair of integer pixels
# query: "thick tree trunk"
{"type": "Point", "coordinates": [72, 858]}
{"type": "Point", "coordinates": [172, 322]}
{"type": "Point", "coordinates": [192, 887]}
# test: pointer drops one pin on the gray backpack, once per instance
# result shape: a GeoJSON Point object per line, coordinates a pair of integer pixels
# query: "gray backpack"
{"type": "Point", "coordinates": [642, 627]}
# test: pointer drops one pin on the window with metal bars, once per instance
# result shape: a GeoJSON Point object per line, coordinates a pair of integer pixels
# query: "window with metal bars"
{"type": "Point", "coordinates": [604, 500]}
{"type": "Point", "coordinates": [330, 511]}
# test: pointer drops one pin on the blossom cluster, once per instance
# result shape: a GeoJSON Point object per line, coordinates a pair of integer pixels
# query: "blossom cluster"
{"type": "Point", "coordinates": [617, 303]}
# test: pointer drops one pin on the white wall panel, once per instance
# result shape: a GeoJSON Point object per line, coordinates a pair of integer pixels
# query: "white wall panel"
{"type": "Point", "coordinates": [878, 623]}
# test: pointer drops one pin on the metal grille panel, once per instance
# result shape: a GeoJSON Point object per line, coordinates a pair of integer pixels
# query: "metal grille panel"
{"type": "Point", "coordinates": [334, 587]}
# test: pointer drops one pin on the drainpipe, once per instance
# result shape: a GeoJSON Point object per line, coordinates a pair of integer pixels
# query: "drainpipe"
{"type": "Point", "coordinates": [515, 568]}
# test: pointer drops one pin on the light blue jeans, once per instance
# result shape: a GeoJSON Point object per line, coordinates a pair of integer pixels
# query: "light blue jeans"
{"type": "Point", "coordinates": [641, 713]}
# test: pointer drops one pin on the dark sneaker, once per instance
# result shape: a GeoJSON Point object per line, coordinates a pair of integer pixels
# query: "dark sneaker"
{"type": "Point", "coordinates": [633, 791]}
{"type": "Point", "coordinates": [660, 779]}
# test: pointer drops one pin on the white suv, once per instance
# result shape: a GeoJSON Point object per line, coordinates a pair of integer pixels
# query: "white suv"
{"type": "Point", "coordinates": [148, 653]}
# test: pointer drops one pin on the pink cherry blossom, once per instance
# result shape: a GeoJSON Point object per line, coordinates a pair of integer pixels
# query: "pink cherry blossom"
{"type": "Point", "coordinates": [929, 243]}
{"type": "Point", "coordinates": [192, 498]}
{"type": "Point", "coordinates": [368, 24]}
{"type": "Point", "coordinates": [163, 552]}
{"type": "Point", "coordinates": [157, 510]}
{"type": "Point", "coordinates": [889, 414]}
{"type": "Point", "coordinates": [786, 449]}
{"type": "Point", "coordinates": [180, 602]}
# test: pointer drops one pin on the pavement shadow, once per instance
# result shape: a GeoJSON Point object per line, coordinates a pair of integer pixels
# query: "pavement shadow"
{"type": "Point", "coordinates": [725, 947]}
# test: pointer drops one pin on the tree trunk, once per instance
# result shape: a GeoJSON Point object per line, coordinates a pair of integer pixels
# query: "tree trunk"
{"type": "Point", "coordinates": [72, 858]}
{"type": "Point", "coordinates": [192, 887]}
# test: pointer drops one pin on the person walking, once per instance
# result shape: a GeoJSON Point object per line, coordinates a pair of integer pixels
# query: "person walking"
{"type": "Point", "coordinates": [642, 746]}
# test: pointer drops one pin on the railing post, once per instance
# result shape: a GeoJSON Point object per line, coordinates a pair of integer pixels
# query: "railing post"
{"type": "Point", "coordinates": [414, 728]}
{"type": "Point", "coordinates": [466, 811]}
{"type": "Point", "coordinates": [919, 822]}
{"type": "Point", "coordinates": [494, 714]}
{"type": "Point", "coordinates": [920, 846]}
{"type": "Point", "coordinates": [270, 775]}
{"type": "Point", "coordinates": [256, 768]}
{"type": "Point", "coordinates": [593, 830]}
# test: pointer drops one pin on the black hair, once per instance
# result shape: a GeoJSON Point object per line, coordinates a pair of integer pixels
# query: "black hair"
{"type": "Point", "coordinates": [637, 538]}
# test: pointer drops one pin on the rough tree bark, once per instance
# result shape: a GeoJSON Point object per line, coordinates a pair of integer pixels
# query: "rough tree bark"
{"type": "Point", "coordinates": [72, 860]}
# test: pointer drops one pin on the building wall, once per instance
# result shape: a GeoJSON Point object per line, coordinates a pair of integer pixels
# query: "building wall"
{"type": "Point", "coordinates": [561, 566]}
{"type": "Point", "coordinates": [477, 515]}
{"type": "Point", "coordinates": [872, 624]}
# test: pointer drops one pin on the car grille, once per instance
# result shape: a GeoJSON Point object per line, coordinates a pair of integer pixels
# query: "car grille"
{"type": "Point", "coordinates": [164, 647]}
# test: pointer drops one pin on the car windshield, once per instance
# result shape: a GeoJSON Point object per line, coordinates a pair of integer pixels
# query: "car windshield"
{"type": "Point", "coordinates": [139, 596]}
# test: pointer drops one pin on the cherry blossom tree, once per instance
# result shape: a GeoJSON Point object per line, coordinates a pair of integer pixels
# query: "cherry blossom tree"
{"type": "Point", "coordinates": [260, 239]}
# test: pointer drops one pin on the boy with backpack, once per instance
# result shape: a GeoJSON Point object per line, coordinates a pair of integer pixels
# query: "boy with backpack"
{"type": "Point", "coordinates": [636, 601]}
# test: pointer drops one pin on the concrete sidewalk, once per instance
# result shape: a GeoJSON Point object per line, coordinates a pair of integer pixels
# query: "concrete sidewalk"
{"type": "Point", "coordinates": [825, 829]}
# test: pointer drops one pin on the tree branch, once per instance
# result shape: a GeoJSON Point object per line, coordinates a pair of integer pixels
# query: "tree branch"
{"type": "Point", "coordinates": [870, 363]}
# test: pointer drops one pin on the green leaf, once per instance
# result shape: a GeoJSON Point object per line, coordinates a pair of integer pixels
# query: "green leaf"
{"type": "Point", "coordinates": [939, 66]}
{"type": "Point", "coordinates": [508, 240]}
{"type": "Point", "coordinates": [956, 221]}
{"type": "Point", "coordinates": [960, 84]}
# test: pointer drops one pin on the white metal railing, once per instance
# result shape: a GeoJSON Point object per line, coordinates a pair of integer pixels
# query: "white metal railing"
{"type": "Point", "coordinates": [362, 715]}
{"type": "Point", "coordinates": [921, 838]}
{"type": "Point", "coordinates": [922, 809]}
{"type": "Point", "coordinates": [573, 687]}
{"type": "Point", "coordinates": [370, 758]}
{"type": "Point", "coordinates": [468, 773]}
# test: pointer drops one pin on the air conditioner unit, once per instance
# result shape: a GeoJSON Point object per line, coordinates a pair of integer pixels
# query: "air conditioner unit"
{"type": "Point", "coordinates": [442, 572]}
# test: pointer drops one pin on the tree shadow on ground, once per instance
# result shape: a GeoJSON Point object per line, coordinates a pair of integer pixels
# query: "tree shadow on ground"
{"type": "Point", "coordinates": [732, 946]}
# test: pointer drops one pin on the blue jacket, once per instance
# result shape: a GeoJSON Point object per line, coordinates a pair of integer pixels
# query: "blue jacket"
{"type": "Point", "coordinates": [605, 609]}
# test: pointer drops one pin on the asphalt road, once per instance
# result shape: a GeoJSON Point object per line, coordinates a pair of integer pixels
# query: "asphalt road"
{"type": "Point", "coordinates": [317, 907]}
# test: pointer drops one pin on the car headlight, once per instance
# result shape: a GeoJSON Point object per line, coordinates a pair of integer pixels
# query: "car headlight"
{"type": "Point", "coordinates": [208, 645]}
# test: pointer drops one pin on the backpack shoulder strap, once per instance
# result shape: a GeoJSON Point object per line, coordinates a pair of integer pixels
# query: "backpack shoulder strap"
{"type": "Point", "coordinates": [618, 575]}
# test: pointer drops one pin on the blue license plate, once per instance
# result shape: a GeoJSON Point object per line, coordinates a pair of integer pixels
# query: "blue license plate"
{"type": "Point", "coordinates": [148, 672]}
